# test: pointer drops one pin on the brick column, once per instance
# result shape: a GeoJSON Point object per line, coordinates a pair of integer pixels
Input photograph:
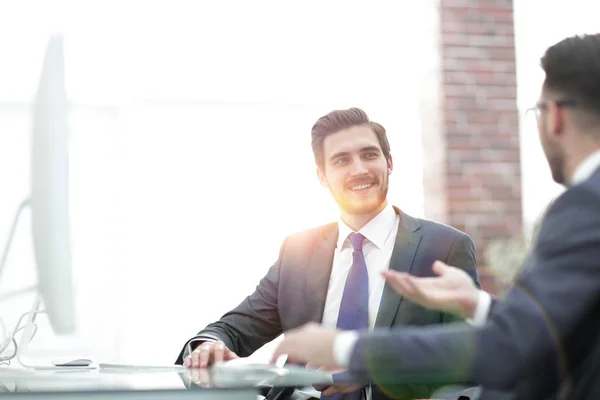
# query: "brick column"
{"type": "Point", "coordinates": [470, 122]}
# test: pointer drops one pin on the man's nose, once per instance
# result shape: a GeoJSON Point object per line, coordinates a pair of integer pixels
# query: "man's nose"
{"type": "Point", "coordinates": [359, 167]}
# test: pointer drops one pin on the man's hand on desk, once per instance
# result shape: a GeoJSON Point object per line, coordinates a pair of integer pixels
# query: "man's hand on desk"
{"type": "Point", "coordinates": [209, 353]}
{"type": "Point", "coordinates": [452, 291]}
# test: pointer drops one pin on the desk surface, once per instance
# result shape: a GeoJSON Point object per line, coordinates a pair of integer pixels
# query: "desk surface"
{"type": "Point", "coordinates": [69, 380]}
{"type": "Point", "coordinates": [216, 394]}
{"type": "Point", "coordinates": [233, 383]}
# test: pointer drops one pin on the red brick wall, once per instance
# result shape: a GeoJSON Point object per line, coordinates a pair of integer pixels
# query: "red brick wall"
{"type": "Point", "coordinates": [476, 173]}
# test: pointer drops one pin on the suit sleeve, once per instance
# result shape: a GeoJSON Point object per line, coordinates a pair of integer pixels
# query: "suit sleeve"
{"type": "Point", "coordinates": [462, 255]}
{"type": "Point", "coordinates": [253, 323]}
{"type": "Point", "coordinates": [552, 298]}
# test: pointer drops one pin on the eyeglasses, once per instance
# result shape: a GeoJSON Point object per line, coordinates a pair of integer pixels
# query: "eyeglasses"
{"type": "Point", "coordinates": [543, 105]}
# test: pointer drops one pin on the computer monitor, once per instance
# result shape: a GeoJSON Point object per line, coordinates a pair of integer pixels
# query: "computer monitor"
{"type": "Point", "coordinates": [49, 191]}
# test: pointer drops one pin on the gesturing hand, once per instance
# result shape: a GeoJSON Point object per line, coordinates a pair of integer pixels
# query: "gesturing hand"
{"type": "Point", "coordinates": [310, 343]}
{"type": "Point", "coordinates": [334, 388]}
{"type": "Point", "coordinates": [452, 290]}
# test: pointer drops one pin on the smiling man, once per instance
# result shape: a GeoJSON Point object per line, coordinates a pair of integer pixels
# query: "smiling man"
{"type": "Point", "coordinates": [332, 274]}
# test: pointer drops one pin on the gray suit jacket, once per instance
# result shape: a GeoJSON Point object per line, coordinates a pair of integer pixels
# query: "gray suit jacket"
{"type": "Point", "coordinates": [541, 340]}
{"type": "Point", "coordinates": [294, 290]}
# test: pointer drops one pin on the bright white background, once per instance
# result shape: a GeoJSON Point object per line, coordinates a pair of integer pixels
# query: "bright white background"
{"type": "Point", "coordinates": [190, 143]}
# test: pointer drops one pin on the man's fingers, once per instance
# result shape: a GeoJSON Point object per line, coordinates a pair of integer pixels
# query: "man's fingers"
{"type": "Point", "coordinates": [208, 353]}
{"type": "Point", "coordinates": [406, 286]}
{"type": "Point", "coordinates": [396, 280]}
{"type": "Point", "coordinates": [320, 388]}
{"type": "Point", "coordinates": [407, 283]}
{"type": "Point", "coordinates": [334, 389]}
{"type": "Point", "coordinates": [439, 267]}
{"type": "Point", "coordinates": [204, 354]}
{"type": "Point", "coordinates": [401, 287]}
{"type": "Point", "coordinates": [230, 355]}
{"type": "Point", "coordinates": [417, 288]}
{"type": "Point", "coordinates": [329, 390]}
{"type": "Point", "coordinates": [393, 275]}
{"type": "Point", "coordinates": [218, 350]}
{"type": "Point", "coordinates": [431, 297]}
{"type": "Point", "coordinates": [195, 359]}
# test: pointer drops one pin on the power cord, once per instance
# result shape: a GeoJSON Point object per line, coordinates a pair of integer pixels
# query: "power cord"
{"type": "Point", "coordinates": [11, 337]}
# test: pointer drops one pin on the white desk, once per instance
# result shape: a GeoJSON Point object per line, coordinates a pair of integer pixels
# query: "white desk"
{"type": "Point", "coordinates": [98, 384]}
{"type": "Point", "coordinates": [109, 385]}
{"type": "Point", "coordinates": [229, 394]}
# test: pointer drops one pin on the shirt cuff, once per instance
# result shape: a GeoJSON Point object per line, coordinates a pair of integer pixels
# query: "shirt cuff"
{"type": "Point", "coordinates": [484, 301]}
{"type": "Point", "coordinates": [343, 344]}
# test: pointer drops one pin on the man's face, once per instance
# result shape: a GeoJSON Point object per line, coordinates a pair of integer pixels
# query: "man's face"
{"type": "Point", "coordinates": [355, 170]}
{"type": "Point", "coordinates": [552, 148]}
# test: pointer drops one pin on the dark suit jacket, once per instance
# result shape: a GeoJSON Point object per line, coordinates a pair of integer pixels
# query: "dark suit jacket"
{"type": "Point", "coordinates": [294, 290]}
{"type": "Point", "coordinates": [541, 340]}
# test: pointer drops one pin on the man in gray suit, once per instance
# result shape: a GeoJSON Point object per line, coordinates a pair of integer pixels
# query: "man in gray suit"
{"type": "Point", "coordinates": [543, 339]}
{"type": "Point", "coordinates": [311, 281]}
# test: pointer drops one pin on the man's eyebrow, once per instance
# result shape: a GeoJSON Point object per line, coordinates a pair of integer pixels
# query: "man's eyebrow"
{"type": "Point", "coordinates": [338, 155]}
{"type": "Point", "coordinates": [362, 150]}
{"type": "Point", "coordinates": [370, 148]}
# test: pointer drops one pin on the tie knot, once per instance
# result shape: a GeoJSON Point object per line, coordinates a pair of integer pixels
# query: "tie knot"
{"type": "Point", "coordinates": [357, 241]}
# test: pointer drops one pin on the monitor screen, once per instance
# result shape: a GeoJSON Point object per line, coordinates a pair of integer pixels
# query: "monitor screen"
{"type": "Point", "coordinates": [49, 191]}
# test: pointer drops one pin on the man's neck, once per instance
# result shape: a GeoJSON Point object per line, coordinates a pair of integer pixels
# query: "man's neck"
{"type": "Point", "coordinates": [357, 221]}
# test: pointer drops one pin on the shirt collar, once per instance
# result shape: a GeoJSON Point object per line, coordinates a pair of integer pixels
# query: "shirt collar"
{"type": "Point", "coordinates": [376, 230]}
{"type": "Point", "coordinates": [587, 167]}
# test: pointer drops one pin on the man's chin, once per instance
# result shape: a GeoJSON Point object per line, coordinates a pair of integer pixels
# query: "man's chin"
{"type": "Point", "coordinates": [362, 208]}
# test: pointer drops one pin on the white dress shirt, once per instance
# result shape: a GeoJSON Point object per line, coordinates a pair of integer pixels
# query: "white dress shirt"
{"type": "Point", "coordinates": [380, 237]}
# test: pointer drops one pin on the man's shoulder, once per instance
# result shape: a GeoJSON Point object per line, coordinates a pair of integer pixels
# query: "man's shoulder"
{"type": "Point", "coordinates": [571, 211]}
{"type": "Point", "coordinates": [592, 183]}
{"type": "Point", "coordinates": [589, 188]}
{"type": "Point", "coordinates": [311, 234]}
{"type": "Point", "coordinates": [433, 230]}
{"type": "Point", "coordinates": [438, 227]}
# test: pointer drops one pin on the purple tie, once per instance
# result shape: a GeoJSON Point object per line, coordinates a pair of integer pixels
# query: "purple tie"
{"type": "Point", "coordinates": [354, 308]}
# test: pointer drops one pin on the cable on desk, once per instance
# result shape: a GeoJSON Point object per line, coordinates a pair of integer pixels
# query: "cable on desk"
{"type": "Point", "coordinates": [5, 360]}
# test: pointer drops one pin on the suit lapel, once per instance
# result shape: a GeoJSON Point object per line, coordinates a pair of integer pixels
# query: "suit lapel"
{"type": "Point", "coordinates": [319, 271]}
{"type": "Point", "coordinates": [407, 242]}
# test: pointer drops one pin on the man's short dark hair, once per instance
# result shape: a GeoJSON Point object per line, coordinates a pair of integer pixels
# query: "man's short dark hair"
{"type": "Point", "coordinates": [572, 69]}
{"type": "Point", "coordinates": [338, 120]}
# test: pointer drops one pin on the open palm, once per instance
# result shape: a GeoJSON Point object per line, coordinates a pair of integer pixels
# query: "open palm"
{"type": "Point", "coordinates": [452, 290]}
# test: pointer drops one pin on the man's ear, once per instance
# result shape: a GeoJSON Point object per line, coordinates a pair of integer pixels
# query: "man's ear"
{"type": "Point", "coordinates": [556, 119]}
{"type": "Point", "coordinates": [390, 165]}
{"type": "Point", "coordinates": [322, 178]}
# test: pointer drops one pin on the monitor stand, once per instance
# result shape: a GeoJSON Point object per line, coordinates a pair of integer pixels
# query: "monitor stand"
{"type": "Point", "coordinates": [30, 327]}
{"type": "Point", "coordinates": [29, 330]}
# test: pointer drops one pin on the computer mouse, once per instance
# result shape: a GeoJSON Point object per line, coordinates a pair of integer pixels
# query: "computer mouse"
{"type": "Point", "coordinates": [71, 362]}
